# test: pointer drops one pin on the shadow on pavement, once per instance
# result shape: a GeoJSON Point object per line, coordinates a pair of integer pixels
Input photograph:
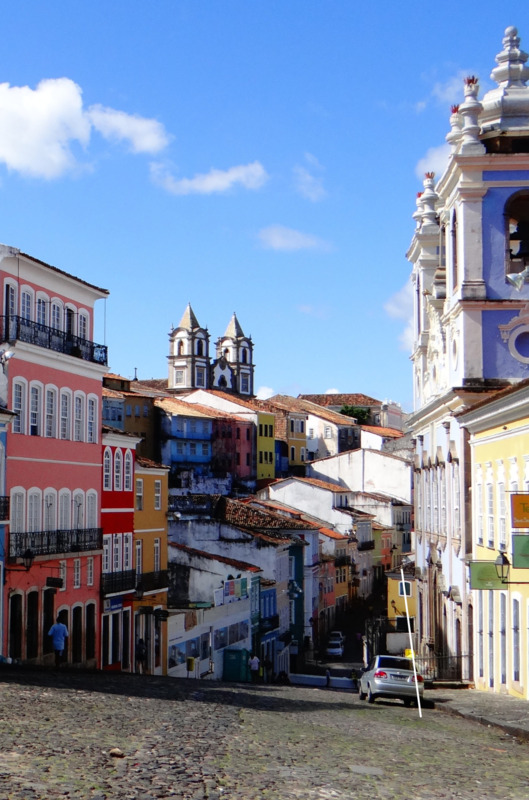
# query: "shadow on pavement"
{"type": "Point", "coordinates": [265, 697]}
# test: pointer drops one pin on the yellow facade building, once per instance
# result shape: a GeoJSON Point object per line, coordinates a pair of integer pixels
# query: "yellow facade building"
{"type": "Point", "coordinates": [150, 564]}
{"type": "Point", "coordinates": [499, 444]}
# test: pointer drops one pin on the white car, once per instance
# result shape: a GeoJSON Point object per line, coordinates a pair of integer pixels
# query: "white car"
{"type": "Point", "coordinates": [390, 676]}
{"type": "Point", "coordinates": [334, 648]}
{"type": "Point", "coordinates": [337, 635]}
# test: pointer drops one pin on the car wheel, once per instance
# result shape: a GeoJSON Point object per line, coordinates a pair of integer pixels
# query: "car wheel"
{"type": "Point", "coordinates": [370, 696]}
{"type": "Point", "coordinates": [407, 701]}
{"type": "Point", "coordinates": [362, 695]}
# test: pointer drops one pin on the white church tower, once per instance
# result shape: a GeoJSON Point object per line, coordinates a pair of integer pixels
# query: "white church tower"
{"type": "Point", "coordinates": [233, 368]}
{"type": "Point", "coordinates": [188, 355]}
{"type": "Point", "coordinates": [470, 259]}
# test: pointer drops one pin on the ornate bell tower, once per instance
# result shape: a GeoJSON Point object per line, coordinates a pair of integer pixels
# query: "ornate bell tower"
{"type": "Point", "coordinates": [188, 355]}
{"type": "Point", "coordinates": [470, 276]}
{"type": "Point", "coordinates": [233, 369]}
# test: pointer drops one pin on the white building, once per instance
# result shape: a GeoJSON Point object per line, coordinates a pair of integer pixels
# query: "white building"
{"type": "Point", "coordinates": [470, 258]}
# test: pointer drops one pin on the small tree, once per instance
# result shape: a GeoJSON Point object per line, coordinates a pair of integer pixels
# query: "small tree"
{"type": "Point", "coordinates": [361, 414]}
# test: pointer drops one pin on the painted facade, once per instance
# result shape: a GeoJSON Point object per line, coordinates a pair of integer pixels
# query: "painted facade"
{"type": "Point", "coordinates": [150, 564]}
{"type": "Point", "coordinates": [499, 436]}
{"type": "Point", "coordinates": [53, 467]}
{"type": "Point", "coordinates": [469, 255]}
{"type": "Point", "coordinates": [118, 574]}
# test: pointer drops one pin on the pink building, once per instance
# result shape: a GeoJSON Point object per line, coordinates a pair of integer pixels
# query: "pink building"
{"type": "Point", "coordinates": [53, 459]}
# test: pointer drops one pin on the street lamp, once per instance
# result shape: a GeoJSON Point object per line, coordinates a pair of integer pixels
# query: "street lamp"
{"type": "Point", "coordinates": [503, 566]}
{"type": "Point", "coordinates": [28, 558]}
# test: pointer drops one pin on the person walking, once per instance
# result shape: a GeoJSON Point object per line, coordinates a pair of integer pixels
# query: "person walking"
{"type": "Point", "coordinates": [253, 663]}
{"type": "Point", "coordinates": [141, 656]}
{"type": "Point", "coordinates": [59, 634]}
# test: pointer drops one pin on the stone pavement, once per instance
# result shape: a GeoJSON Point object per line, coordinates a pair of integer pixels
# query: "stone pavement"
{"type": "Point", "coordinates": [495, 710]}
{"type": "Point", "coordinates": [109, 736]}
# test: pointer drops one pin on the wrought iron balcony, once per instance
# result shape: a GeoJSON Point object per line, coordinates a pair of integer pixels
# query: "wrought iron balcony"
{"type": "Point", "coordinates": [13, 328]}
{"type": "Point", "coordinates": [118, 582]}
{"type": "Point", "coordinates": [4, 508]}
{"type": "Point", "coordinates": [342, 561]}
{"type": "Point", "coordinates": [367, 545]}
{"type": "Point", "coordinates": [152, 581]}
{"type": "Point", "coordinates": [49, 543]}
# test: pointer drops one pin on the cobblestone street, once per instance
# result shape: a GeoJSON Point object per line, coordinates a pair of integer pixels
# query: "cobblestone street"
{"type": "Point", "coordinates": [140, 738]}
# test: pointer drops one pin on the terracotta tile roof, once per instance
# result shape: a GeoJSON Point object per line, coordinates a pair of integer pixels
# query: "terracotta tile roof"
{"type": "Point", "coordinates": [302, 406]}
{"type": "Point", "coordinates": [112, 393]}
{"type": "Point", "coordinates": [379, 431]}
{"type": "Point", "coordinates": [146, 463]}
{"type": "Point", "coordinates": [241, 514]}
{"type": "Point", "coordinates": [232, 562]}
{"type": "Point", "coordinates": [160, 384]}
{"type": "Point", "coordinates": [341, 399]}
{"type": "Point", "coordinates": [330, 487]}
{"type": "Point", "coordinates": [252, 405]}
{"type": "Point", "coordinates": [498, 394]}
{"type": "Point", "coordinates": [308, 520]}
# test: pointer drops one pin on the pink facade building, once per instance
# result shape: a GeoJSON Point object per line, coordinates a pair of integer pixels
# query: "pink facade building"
{"type": "Point", "coordinates": [53, 460]}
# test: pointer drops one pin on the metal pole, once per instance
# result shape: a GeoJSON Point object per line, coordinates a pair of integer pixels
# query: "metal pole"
{"type": "Point", "coordinates": [411, 642]}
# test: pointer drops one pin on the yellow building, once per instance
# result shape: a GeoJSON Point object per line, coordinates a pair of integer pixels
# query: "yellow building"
{"type": "Point", "coordinates": [265, 448]}
{"type": "Point", "coordinates": [499, 444]}
{"type": "Point", "coordinates": [150, 563]}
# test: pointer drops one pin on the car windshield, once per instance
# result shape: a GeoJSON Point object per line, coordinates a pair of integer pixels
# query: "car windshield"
{"type": "Point", "coordinates": [394, 663]}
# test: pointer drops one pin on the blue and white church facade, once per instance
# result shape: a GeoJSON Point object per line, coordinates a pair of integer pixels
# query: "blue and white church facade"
{"type": "Point", "coordinates": [470, 274]}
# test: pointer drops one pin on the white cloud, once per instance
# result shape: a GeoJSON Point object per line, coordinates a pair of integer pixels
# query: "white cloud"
{"type": "Point", "coordinates": [307, 184]}
{"type": "Point", "coordinates": [400, 307]}
{"type": "Point", "coordinates": [332, 391]}
{"type": "Point", "coordinates": [41, 126]}
{"type": "Point", "coordinates": [278, 237]}
{"type": "Point", "coordinates": [264, 392]}
{"type": "Point", "coordinates": [250, 176]}
{"type": "Point", "coordinates": [435, 160]}
{"type": "Point", "coordinates": [144, 135]}
{"type": "Point", "coordinates": [450, 92]}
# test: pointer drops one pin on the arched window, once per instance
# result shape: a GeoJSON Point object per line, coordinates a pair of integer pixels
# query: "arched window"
{"type": "Point", "coordinates": [78, 511]}
{"type": "Point", "coordinates": [118, 471]}
{"type": "Point", "coordinates": [455, 276]}
{"type": "Point", "coordinates": [180, 348]}
{"type": "Point", "coordinates": [128, 471]}
{"type": "Point", "coordinates": [91, 509]}
{"type": "Point", "coordinates": [65, 511]}
{"type": "Point", "coordinates": [200, 347]}
{"type": "Point", "coordinates": [50, 510]}
{"type": "Point", "coordinates": [83, 325]}
{"type": "Point", "coordinates": [34, 511]}
{"type": "Point", "coordinates": [107, 470]}
{"type": "Point", "coordinates": [517, 233]}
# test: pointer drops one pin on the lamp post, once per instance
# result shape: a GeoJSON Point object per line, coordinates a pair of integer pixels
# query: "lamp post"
{"type": "Point", "coordinates": [503, 567]}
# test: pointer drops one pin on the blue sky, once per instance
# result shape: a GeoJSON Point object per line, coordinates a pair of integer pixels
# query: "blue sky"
{"type": "Point", "coordinates": [256, 156]}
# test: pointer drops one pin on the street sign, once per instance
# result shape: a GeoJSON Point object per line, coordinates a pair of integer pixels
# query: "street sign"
{"type": "Point", "coordinates": [483, 575]}
{"type": "Point", "coordinates": [520, 551]}
{"type": "Point", "coordinates": [520, 510]}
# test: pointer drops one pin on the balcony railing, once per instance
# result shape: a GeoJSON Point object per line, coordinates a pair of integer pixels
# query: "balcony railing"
{"type": "Point", "coordinates": [4, 508]}
{"type": "Point", "coordinates": [118, 582]}
{"type": "Point", "coordinates": [367, 545]}
{"type": "Point", "coordinates": [49, 543]}
{"type": "Point", "coordinates": [13, 328]}
{"type": "Point", "coordinates": [342, 561]}
{"type": "Point", "coordinates": [152, 581]}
